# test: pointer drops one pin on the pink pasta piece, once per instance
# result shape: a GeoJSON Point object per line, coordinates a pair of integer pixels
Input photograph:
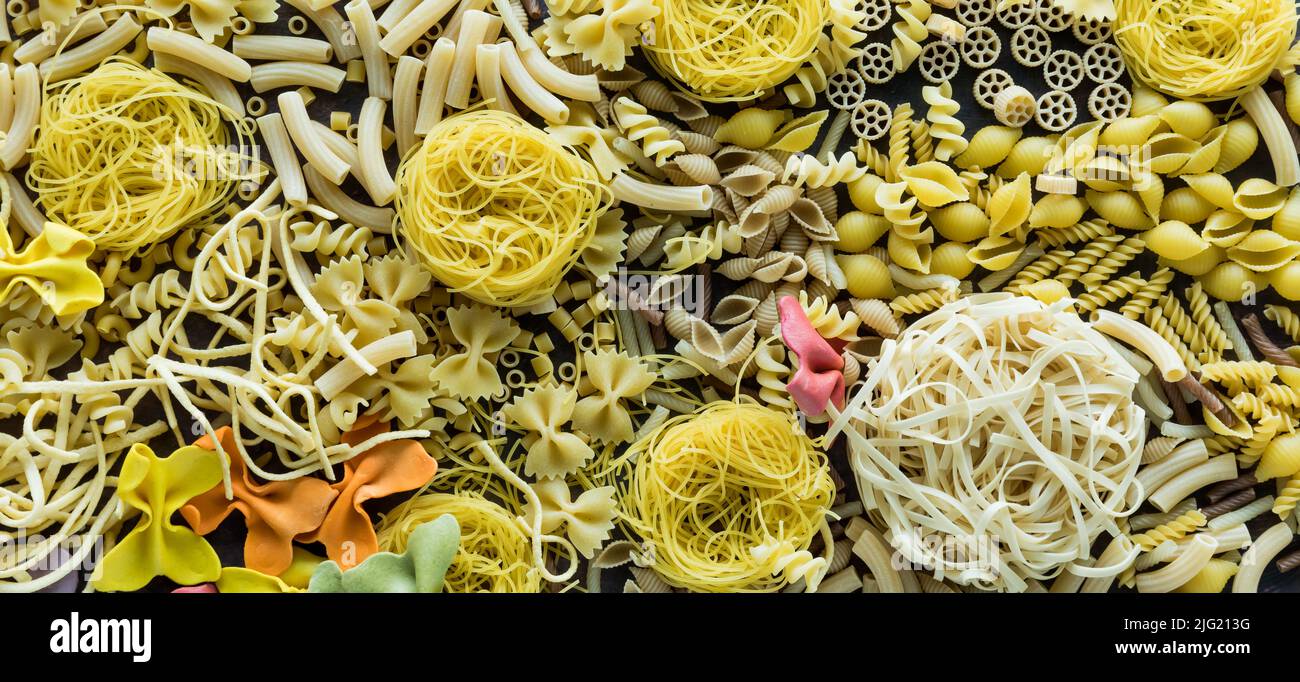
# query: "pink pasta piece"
{"type": "Point", "coordinates": [820, 377]}
{"type": "Point", "coordinates": [202, 588]}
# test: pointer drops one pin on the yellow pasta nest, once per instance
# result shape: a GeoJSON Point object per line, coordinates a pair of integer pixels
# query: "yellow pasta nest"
{"type": "Point", "coordinates": [495, 554]}
{"type": "Point", "coordinates": [715, 491]}
{"type": "Point", "coordinates": [128, 156]}
{"type": "Point", "coordinates": [734, 50]}
{"type": "Point", "coordinates": [1204, 49]}
{"type": "Point", "coordinates": [496, 208]}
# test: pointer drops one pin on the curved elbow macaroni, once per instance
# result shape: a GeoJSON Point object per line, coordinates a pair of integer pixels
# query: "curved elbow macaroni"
{"type": "Point", "coordinates": [661, 197]}
{"type": "Point", "coordinates": [370, 150]}
{"type": "Point", "coordinates": [1268, 545]}
{"type": "Point", "coordinates": [473, 32]}
{"type": "Point", "coordinates": [406, 78]}
{"type": "Point", "coordinates": [294, 113]}
{"type": "Point", "coordinates": [93, 51]}
{"type": "Point", "coordinates": [414, 25]}
{"type": "Point", "coordinates": [193, 48]}
{"type": "Point", "coordinates": [433, 96]}
{"type": "Point", "coordinates": [487, 68]}
{"type": "Point", "coordinates": [1144, 339]}
{"type": "Point", "coordinates": [27, 91]}
{"type": "Point", "coordinates": [1177, 572]}
{"type": "Point", "coordinates": [529, 91]}
{"type": "Point", "coordinates": [283, 157]}
{"type": "Point", "coordinates": [379, 79]}
{"type": "Point", "coordinates": [217, 85]}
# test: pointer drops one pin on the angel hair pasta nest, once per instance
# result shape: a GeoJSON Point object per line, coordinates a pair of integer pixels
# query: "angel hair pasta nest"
{"type": "Point", "coordinates": [1204, 49]}
{"type": "Point", "coordinates": [496, 208]}
{"type": "Point", "coordinates": [729, 499]}
{"type": "Point", "coordinates": [995, 440]}
{"type": "Point", "coordinates": [734, 50]}
{"type": "Point", "coordinates": [127, 156]}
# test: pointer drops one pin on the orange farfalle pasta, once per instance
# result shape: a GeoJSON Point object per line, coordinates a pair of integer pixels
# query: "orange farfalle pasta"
{"type": "Point", "coordinates": [275, 512]}
{"type": "Point", "coordinates": [388, 468]}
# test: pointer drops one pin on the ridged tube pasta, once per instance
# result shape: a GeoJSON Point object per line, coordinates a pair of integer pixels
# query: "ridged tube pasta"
{"type": "Point", "coordinates": [528, 89]}
{"type": "Point", "coordinates": [1181, 570]}
{"type": "Point", "coordinates": [204, 54]}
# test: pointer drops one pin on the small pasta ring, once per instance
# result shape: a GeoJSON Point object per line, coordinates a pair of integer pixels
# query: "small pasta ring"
{"type": "Point", "coordinates": [1063, 70]}
{"type": "Point", "coordinates": [871, 120]}
{"type": "Point", "coordinates": [516, 378]}
{"type": "Point", "coordinates": [509, 358]}
{"type": "Point", "coordinates": [297, 25]}
{"type": "Point", "coordinates": [255, 105]}
{"type": "Point", "coordinates": [241, 26]}
{"type": "Point", "coordinates": [975, 12]}
{"type": "Point", "coordinates": [1030, 46]}
{"type": "Point", "coordinates": [16, 8]}
{"type": "Point", "coordinates": [846, 90]}
{"type": "Point", "coordinates": [875, 63]}
{"type": "Point", "coordinates": [875, 14]}
{"type": "Point", "coordinates": [1110, 101]}
{"type": "Point", "coordinates": [939, 62]}
{"type": "Point", "coordinates": [1056, 111]}
{"type": "Point", "coordinates": [988, 84]}
{"type": "Point", "coordinates": [981, 47]}
{"type": "Point", "coordinates": [1103, 63]}
{"type": "Point", "coordinates": [567, 371]}
{"type": "Point", "coordinates": [586, 341]}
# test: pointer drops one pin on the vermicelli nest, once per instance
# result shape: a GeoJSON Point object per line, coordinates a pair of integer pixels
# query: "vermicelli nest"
{"type": "Point", "coordinates": [995, 440]}
{"type": "Point", "coordinates": [707, 488]}
{"type": "Point", "coordinates": [731, 50]}
{"type": "Point", "coordinates": [494, 553]}
{"type": "Point", "coordinates": [496, 208]}
{"type": "Point", "coordinates": [1204, 49]}
{"type": "Point", "coordinates": [127, 156]}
